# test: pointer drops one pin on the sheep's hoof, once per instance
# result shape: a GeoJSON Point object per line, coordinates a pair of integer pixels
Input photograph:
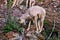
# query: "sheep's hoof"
{"type": "Point", "coordinates": [41, 30]}
{"type": "Point", "coordinates": [37, 32]}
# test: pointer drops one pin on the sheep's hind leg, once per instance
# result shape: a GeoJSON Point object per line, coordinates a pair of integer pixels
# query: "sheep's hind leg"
{"type": "Point", "coordinates": [41, 23]}
{"type": "Point", "coordinates": [36, 24]}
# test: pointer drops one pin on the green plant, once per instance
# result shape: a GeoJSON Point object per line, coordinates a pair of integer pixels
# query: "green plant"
{"type": "Point", "coordinates": [45, 23]}
{"type": "Point", "coordinates": [58, 38]}
{"type": "Point", "coordinates": [9, 3]}
{"type": "Point", "coordinates": [11, 24]}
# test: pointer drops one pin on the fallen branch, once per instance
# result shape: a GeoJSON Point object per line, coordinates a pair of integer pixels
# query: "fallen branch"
{"type": "Point", "coordinates": [52, 30]}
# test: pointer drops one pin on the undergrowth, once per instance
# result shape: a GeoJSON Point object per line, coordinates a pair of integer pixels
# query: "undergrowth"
{"type": "Point", "coordinates": [11, 24]}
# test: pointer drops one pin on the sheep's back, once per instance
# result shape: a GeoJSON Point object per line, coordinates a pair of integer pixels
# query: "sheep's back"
{"type": "Point", "coordinates": [34, 10]}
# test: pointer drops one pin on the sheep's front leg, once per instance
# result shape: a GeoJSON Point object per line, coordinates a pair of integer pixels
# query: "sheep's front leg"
{"type": "Point", "coordinates": [36, 24]}
{"type": "Point", "coordinates": [29, 26]}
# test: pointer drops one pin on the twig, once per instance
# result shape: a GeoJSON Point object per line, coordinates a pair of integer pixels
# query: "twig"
{"type": "Point", "coordinates": [52, 30]}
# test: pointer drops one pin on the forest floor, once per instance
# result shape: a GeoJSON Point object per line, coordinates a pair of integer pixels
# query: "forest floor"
{"type": "Point", "coordinates": [52, 12]}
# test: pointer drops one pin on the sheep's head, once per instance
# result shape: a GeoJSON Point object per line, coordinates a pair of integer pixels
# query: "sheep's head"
{"type": "Point", "coordinates": [24, 21]}
{"type": "Point", "coordinates": [20, 20]}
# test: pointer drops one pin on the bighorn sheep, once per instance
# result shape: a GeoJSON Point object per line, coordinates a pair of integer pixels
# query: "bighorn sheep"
{"type": "Point", "coordinates": [33, 12]}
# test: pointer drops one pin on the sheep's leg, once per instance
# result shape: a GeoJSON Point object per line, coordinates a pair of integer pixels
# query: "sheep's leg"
{"type": "Point", "coordinates": [33, 3]}
{"type": "Point", "coordinates": [39, 21]}
{"type": "Point", "coordinates": [26, 3]}
{"type": "Point", "coordinates": [29, 26]}
{"type": "Point", "coordinates": [41, 24]}
{"type": "Point", "coordinates": [36, 24]}
{"type": "Point", "coordinates": [41, 28]}
{"type": "Point", "coordinates": [14, 2]}
{"type": "Point", "coordinates": [17, 2]}
{"type": "Point", "coordinates": [30, 3]}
